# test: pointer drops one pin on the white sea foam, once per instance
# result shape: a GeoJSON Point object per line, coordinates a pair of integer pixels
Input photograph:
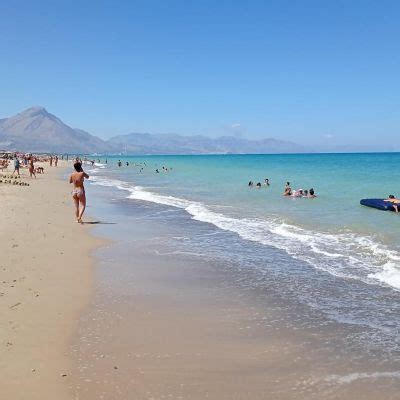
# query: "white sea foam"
{"type": "Point", "coordinates": [345, 255]}
{"type": "Point", "coordinates": [96, 164]}
{"type": "Point", "coordinates": [100, 165]}
{"type": "Point", "coordinates": [390, 275]}
{"type": "Point", "coordinates": [356, 376]}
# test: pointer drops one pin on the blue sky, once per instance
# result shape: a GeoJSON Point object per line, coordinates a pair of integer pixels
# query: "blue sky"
{"type": "Point", "coordinates": [308, 71]}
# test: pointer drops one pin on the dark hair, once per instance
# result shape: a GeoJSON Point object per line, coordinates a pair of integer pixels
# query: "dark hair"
{"type": "Point", "coordinates": [391, 196]}
{"type": "Point", "coordinates": [78, 167]}
{"type": "Point", "coordinates": [311, 191]}
{"type": "Point", "coordinates": [288, 183]}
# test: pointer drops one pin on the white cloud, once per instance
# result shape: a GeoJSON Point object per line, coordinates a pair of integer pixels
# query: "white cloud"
{"type": "Point", "coordinates": [234, 129]}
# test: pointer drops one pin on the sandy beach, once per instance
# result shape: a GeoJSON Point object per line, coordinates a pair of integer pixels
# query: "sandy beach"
{"type": "Point", "coordinates": [46, 280]}
{"type": "Point", "coordinates": [143, 316]}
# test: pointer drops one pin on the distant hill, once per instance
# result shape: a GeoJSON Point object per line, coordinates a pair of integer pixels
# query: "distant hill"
{"type": "Point", "coordinates": [36, 130]}
{"type": "Point", "coordinates": [146, 143]}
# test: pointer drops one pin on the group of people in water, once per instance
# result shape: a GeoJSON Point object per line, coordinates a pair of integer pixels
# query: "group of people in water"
{"type": "Point", "coordinates": [258, 184]}
{"type": "Point", "coordinates": [309, 193]}
{"type": "Point", "coordinates": [143, 165]}
{"type": "Point", "coordinates": [288, 191]}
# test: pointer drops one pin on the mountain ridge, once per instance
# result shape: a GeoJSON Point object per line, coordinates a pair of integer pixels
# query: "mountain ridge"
{"type": "Point", "coordinates": [37, 130]}
{"type": "Point", "coordinates": [172, 143]}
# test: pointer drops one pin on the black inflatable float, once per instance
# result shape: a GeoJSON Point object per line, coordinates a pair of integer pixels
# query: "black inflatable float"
{"type": "Point", "coordinates": [379, 204]}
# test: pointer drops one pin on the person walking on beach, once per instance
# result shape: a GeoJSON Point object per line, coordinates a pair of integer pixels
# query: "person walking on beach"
{"type": "Point", "coordinates": [31, 168]}
{"type": "Point", "coordinates": [55, 161]}
{"type": "Point", "coordinates": [51, 161]}
{"type": "Point", "coordinates": [16, 165]}
{"type": "Point", "coordinates": [78, 192]}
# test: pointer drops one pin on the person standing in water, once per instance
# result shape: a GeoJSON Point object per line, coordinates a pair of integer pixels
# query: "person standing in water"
{"type": "Point", "coordinates": [78, 192]}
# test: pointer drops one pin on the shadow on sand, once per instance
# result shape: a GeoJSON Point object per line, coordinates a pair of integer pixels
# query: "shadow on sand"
{"type": "Point", "coordinates": [98, 222]}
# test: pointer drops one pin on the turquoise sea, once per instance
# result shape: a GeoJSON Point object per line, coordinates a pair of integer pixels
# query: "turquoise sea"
{"type": "Point", "coordinates": [331, 254]}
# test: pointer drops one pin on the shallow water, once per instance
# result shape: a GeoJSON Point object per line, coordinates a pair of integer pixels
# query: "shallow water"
{"type": "Point", "coordinates": [336, 260]}
{"type": "Point", "coordinates": [311, 334]}
{"type": "Point", "coordinates": [332, 232]}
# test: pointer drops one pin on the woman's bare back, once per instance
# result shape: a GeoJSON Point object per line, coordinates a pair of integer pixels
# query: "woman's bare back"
{"type": "Point", "coordinates": [77, 178]}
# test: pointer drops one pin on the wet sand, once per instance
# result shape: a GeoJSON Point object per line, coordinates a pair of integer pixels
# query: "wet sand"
{"type": "Point", "coordinates": [45, 282]}
{"type": "Point", "coordinates": [164, 325]}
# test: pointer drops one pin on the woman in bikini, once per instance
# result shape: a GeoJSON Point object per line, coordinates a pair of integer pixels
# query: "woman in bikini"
{"type": "Point", "coordinates": [78, 192]}
{"type": "Point", "coordinates": [31, 167]}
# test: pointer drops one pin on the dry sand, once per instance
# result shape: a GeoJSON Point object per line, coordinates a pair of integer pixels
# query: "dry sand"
{"type": "Point", "coordinates": [45, 281]}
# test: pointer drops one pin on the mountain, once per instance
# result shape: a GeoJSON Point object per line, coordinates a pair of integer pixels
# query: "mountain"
{"type": "Point", "coordinates": [36, 130]}
{"type": "Point", "coordinates": [146, 143]}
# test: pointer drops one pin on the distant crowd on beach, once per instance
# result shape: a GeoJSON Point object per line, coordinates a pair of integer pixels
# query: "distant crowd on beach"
{"type": "Point", "coordinates": [287, 191]}
{"type": "Point", "coordinates": [25, 160]}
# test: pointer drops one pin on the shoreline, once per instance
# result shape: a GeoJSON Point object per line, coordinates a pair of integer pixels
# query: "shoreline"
{"type": "Point", "coordinates": [46, 282]}
{"type": "Point", "coordinates": [168, 323]}
{"type": "Point", "coordinates": [82, 320]}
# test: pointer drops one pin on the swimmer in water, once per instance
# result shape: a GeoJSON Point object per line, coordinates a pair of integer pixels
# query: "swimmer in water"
{"type": "Point", "coordinates": [250, 183]}
{"type": "Point", "coordinates": [395, 202]}
{"type": "Point", "coordinates": [297, 193]}
{"type": "Point", "coordinates": [266, 182]}
{"type": "Point", "coordinates": [119, 163]}
{"type": "Point", "coordinates": [288, 190]}
{"type": "Point", "coordinates": [311, 194]}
